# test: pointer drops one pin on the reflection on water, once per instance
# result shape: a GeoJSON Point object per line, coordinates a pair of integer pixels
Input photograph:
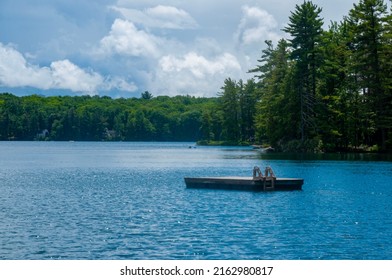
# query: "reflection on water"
{"type": "Point", "coordinates": [327, 156]}
{"type": "Point", "coordinates": [249, 153]}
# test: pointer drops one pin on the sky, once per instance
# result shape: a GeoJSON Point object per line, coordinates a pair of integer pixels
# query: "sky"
{"type": "Point", "coordinates": [121, 48]}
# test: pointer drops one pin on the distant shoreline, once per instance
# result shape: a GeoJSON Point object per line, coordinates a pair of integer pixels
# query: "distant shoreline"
{"type": "Point", "coordinates": [202, 143]}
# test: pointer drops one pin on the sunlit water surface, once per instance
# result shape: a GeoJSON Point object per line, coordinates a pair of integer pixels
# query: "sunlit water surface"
{"type": "Point", "coordinates": [93, 200]}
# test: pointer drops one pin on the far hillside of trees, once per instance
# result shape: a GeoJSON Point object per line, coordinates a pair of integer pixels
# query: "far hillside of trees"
{"type": "Point", "coordinates": [321, 90]}
{"type": "Point", "coordinates": [86, 118]}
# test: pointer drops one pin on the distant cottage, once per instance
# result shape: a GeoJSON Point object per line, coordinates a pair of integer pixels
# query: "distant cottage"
{"type": "Point", "coordinates": [109, 134]}
{"type": "Point", "coordinates": [43, 134]}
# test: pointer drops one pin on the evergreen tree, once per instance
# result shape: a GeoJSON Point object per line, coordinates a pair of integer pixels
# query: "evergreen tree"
{"type": "Point", "coordinates": [338, 110]}
{"type": "Point", "coordinates": [368, 21]}
{"type": "Point", "coordinates": [305, 29]}
{"type": "Point", "coordinates": [230, 108]}
{"type": "Point", "coordinates": [387, 83]}
{"type": "Point", "coordinates": [206, 127]}
{"type": "Point", "coordinates": [146, 95]}
{"type": "Point", "coordinates": [274, 115]}
{"type": "Point", "coordinates": [248, 101]}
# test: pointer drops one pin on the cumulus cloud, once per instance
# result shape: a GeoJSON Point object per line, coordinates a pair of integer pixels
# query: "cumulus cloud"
{"type": "Point", "coordinates": [194, 74]}
{"type": "Point", "coordinates": [66, 75]}
{"type": "Point", "coordinates": [256, 26]}
{"type": "Point", "coordinates": [15, 71]}
{"type": "Point", "coordinates": [198, 65]}
{"type": "Point", "coordinates": [125, 39]}
{"type": "Point", "coordinates": [160, 16]}
{"type": "Point", "coordinates": [119, 84]}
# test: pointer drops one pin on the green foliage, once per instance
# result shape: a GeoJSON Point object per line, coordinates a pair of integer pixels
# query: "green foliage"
{"type": "Point", "coordinates": [330, 89]}
{"type": "Point", "coordinates": [230, 108]}
{"type": "Point", "coordinates": [370, 26]}
{"type": "Point", "coordinates": [96, 118]}
{"type": "Point", "coordinates": [238, 106]}
{"type": "Point", "coordinates": [271, 125]}
{"type": "Point", "coordinates": [305, 29]}
{"type": "Point", "coordinates": [146, 95]}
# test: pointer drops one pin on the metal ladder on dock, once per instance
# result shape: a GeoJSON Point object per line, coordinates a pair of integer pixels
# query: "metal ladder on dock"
{"type": "Point", "coordinates": [271, 186]}
{"type": "Point", "coordinates": [269, 176]}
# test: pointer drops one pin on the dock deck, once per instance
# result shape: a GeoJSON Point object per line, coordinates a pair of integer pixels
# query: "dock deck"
{"type": "Point", "coordinates": [245, 183]}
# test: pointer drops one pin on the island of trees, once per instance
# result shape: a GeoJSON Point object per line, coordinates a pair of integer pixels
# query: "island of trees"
{"type": "Point", "coordinates": [320, 90]}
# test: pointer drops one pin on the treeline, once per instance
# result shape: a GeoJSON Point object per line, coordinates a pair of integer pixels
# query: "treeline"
{"type": "Point", "coordinates": [85, 118]}
{"type": "Point", "coordinates": [148, 118]}
{"type": "Point", "coordinates": [327, 90]}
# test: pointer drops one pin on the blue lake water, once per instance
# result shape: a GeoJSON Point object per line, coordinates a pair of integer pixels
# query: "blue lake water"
{"type": "Point", "coordinates": [98, 200]}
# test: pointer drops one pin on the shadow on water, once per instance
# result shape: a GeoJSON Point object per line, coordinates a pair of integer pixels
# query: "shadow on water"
{"type": "Point", "coordinates": [326, 156]}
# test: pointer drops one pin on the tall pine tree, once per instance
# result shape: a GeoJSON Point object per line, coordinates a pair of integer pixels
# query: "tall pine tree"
{"type": "Point", "coordinates": [305, 29]}
{"type": "Point", "coordinates": [231, 113]}
{"type": "Point", "coordinates": [368, 20]}
{"type": "Point", "coordinates": [274, 114]}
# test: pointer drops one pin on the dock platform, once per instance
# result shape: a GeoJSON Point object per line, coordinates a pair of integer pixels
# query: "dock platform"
{"type": "Point", "coordinates": [245, 183]}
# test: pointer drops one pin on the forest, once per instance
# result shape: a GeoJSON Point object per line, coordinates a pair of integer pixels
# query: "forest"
{"type": "Point", "coordinates": [86, 118]}
{"type": "Point", "coordinates": [322, 89]}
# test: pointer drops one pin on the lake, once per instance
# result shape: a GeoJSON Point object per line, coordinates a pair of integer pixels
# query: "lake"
{"type": "Point", "coordinates": [101, 200]}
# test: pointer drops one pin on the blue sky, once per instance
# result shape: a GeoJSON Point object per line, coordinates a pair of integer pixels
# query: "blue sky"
{"type": "Point", "coordinates": [121, 48]}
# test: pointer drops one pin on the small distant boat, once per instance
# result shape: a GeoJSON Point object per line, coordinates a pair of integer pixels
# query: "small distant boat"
{"type": "Point", "coordinates": [267, 150]}
{"type": "Point", "coordinates": [256, 147]}
{"type": "Point", "coordinates": [263, 149]}
{"type": "Point", "coordinates": [259, 182]}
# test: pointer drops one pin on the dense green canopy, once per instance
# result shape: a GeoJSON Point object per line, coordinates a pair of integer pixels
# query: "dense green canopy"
{"type": "Point", "coordinates": [102, 118]}
{"type": "Point", "coordinates": [328, 89]}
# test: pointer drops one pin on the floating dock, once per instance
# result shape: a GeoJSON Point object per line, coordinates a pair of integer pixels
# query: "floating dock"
{"type": "Point", "coordinates": [258, 182]}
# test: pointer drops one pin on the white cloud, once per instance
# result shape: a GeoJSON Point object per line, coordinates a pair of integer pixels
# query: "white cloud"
{"type": "Point", "coordinates": [198, 65]}
{"type": "Point", "coordinates": [160, 16]}
{"type": "Point", "coordinates": [194, 74]}
{"type": "Point", "coordinates": [66, 75]}
{"type": "Point", "coordinates": [125, 39]}
{"type": "Point", "coordinates": [118, 83]}
{"type": "Point", "coordinates": [256, 26]}
{"type": "Point", "coordinates": [15, 71]}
